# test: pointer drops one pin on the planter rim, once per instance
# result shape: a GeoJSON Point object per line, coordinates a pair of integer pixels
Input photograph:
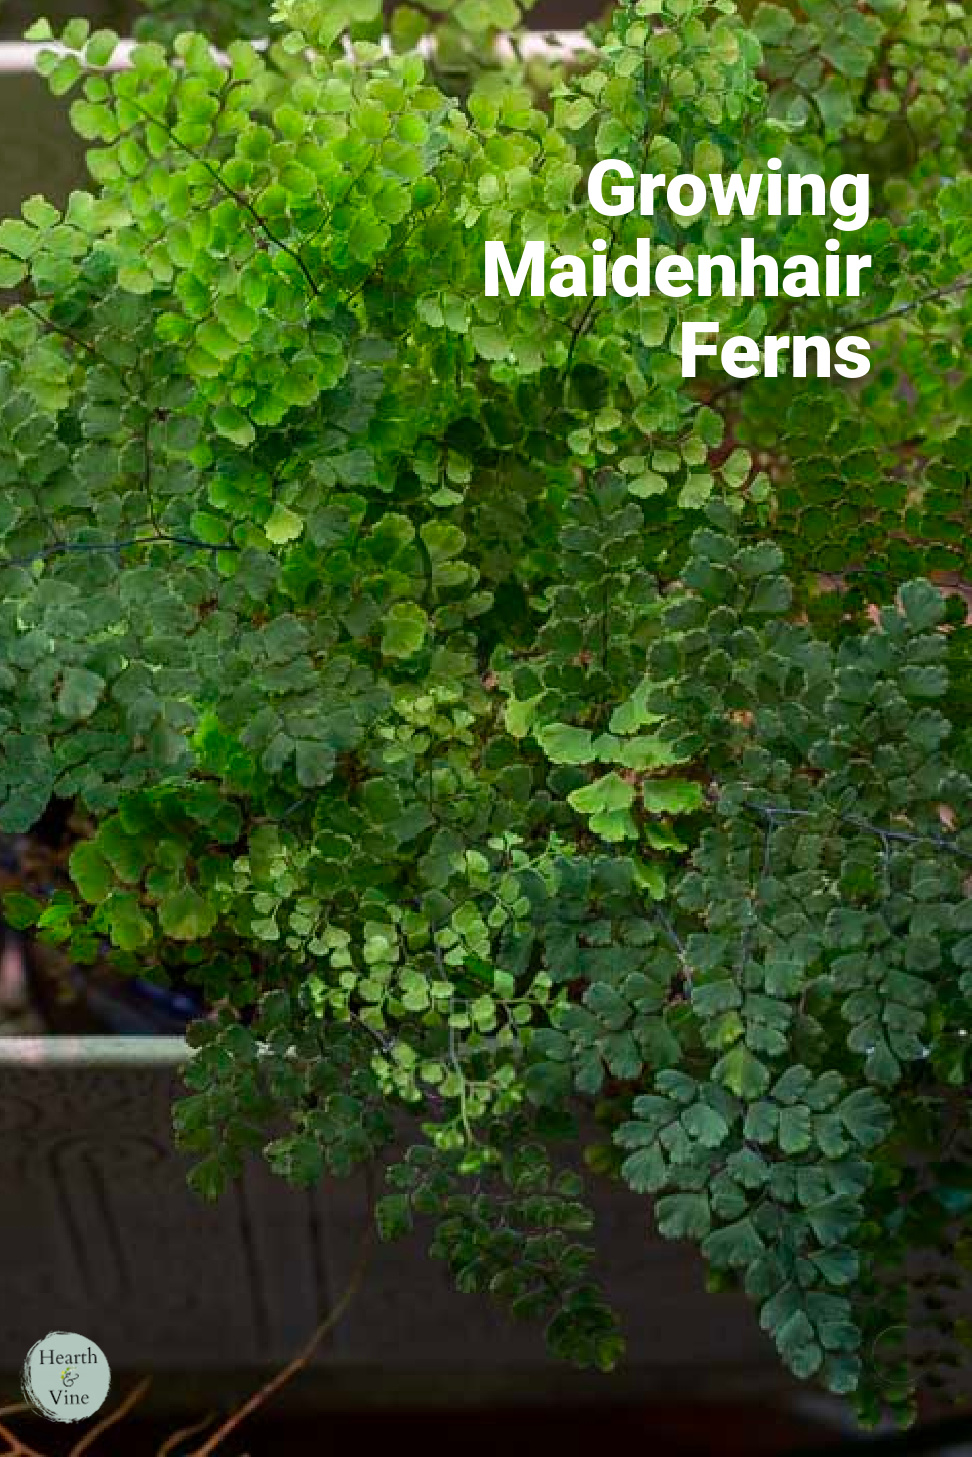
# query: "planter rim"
{"type": "Point", "coordinates": [43, 1053]}
{"type": "Point", "coordinates": [19, 57]}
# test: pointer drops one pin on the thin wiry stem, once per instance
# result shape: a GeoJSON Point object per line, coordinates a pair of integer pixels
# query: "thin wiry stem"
{"type": "Point", "coordinates": [259, 1398]}
{"type": "Point", "coordinates": [909, 308]}
{"type": "Point", "coordinates": [62, 548]}
{"type": "Point", "coordinates": [899, 312]}
{"type": "Point", "coordinates": [18, 1448]}
{"type": "Point", "coordinates": [173, 1441]}
{"type": "Point", "coordinates": [238, 197]}
{"type": "Point", "coordinates": [123, 1408]}
{"type": "Point", "coordinates": [772, 812]}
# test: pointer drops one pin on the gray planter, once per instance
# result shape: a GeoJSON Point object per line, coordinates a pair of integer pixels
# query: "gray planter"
{"type": "Point", "coordinates": [100, 1235]}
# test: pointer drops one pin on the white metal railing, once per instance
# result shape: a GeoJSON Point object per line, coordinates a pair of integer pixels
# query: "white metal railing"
{"type": "Point", "coordinates": [19, 57]}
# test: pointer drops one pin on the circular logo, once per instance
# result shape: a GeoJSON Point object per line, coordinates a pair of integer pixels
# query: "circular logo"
{"type": "Point", "coordinates": [65, 1377]}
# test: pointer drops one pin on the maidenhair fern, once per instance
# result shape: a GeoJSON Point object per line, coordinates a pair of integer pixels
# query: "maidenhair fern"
{"type": "Point", "coordinates": [424, 666]}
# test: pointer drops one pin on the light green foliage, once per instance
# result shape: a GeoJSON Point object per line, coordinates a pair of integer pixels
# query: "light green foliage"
{"type": "Point", "coordinates": [438, 703]}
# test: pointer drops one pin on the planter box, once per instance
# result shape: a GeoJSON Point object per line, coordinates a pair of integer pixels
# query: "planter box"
{"type": "Point", "coordinates": [102, 1236]}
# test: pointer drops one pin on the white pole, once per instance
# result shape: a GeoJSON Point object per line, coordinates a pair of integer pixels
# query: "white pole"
{"type": "Point", "coordinates": [19, 57]}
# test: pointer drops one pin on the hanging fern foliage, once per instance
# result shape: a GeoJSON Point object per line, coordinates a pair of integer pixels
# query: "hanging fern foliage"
{"type": "Point", "coordinates": [489, 720]}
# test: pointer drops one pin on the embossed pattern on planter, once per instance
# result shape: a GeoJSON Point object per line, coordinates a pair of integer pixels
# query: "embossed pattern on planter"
{"type": "Point", "coordinates": [98, 1233]}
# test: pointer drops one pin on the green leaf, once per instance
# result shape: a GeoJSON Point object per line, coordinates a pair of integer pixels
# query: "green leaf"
{"type": "Point", "coordinates": [19, 910]}
{"type": "Point", "coordinates": [131, 928]}
{"type": "Point", "coordinates": [186, 916]}
{"type": "Point", "coordinates": [406, 627]}
{"type": "Point", "coordinates": [80, 693]}
{"type": "Point", "coordinates": [566, 745]}
{"type": "Point", "coordinates": [923, 605]}
{"type": "Point", "coordinates": [672, 796]}
{"type": "Point", "coordinates": [91, 873]}
{"type": "Point", "coordinates": [796, 1344]}
{"type": "Point", "coordinates": [742, 1073]}
{"type": "Point", "coordinates": [705, 1125]}
{"type": "Point", "coordinates": [314, 761]}
{"type": "Point", "coordinates": [101, 47]}
{"type": "Point", "coordinates": [735, 1246]}
{"type": "Point", "coordinates": [683, 1216]}
{"type": "Point", "coordinates": [210, 1177]}
{"type": "Point", "coordinates": [12, 272]}
{"type": "Point", "coordinates": [235, 426]}
{"type": "Point", "coordinates": [282, 525]}
{"type": "Point", "coordinates": [607, 801]}
{"type": "Point", "coordinates": [519, 715]}
{"type": "Point", "coordinates": [772, 596]}
{"type": "Point", "coordinates": [866, 1116]}
{"type": "Point", "coordinates": [298, 1158]}
{"type": "Point", "coordinates": [394, 1216]}
{"type": "Point", "coordinates": [645, 1171]}
{"type": "Point", "coordinates": [795, 1129]}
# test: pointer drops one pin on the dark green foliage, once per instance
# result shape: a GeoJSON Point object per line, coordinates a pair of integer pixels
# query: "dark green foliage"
{"type": "Point", "coordinates": [437, 701]}
{"type": "Point", "coordinates": [513, 1235]}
